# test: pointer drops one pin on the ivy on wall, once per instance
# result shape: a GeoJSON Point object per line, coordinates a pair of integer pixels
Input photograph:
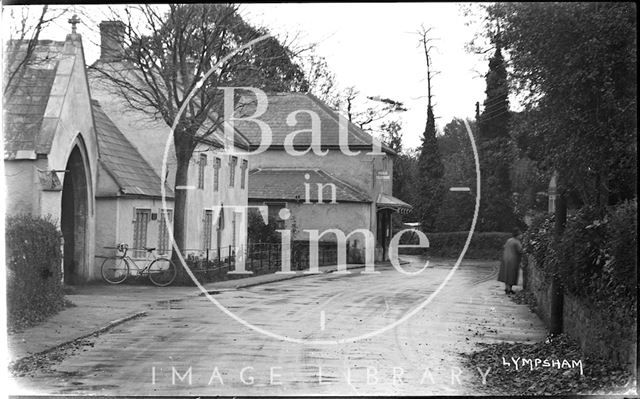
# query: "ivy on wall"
{"type": "Point", "coordinates": [596, 258]}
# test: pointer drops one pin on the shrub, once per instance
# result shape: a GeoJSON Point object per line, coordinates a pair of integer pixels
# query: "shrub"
{"type": "Point", "coordinates": [487, 245]}
{"type": "Point", "coordinates": [258, 231]}
{"type": "Point", "coordinates": [537, 241]}
{"type": "Point", "coordinates": [34, 275]}
{"type": "Point", "coordinates": [580, 254]}
{"type": "Point", "coordinates": [622, 245]}
{"type": "Point", "coordinates": [615, 289]}
{"type": "Point", "coordinates": [595, 258]}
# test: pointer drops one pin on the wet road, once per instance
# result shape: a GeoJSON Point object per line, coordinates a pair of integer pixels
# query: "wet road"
{"type": "Point", "coordinates": [190, 347]}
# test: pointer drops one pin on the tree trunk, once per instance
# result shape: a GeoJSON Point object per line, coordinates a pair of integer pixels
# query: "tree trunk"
{"type": "Point", "coordinates": [180, 205]}
{"type": "Point", "coordinates": [557, 289]}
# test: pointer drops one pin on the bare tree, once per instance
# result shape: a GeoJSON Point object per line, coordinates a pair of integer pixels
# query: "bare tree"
{"type": "Point", "coordinates": [429, 162]}
{"type": "Point", "coordinates": [425, 42]}
{"type": "Point", "coordinates": [24, 32]}
{"type": "Point", "coordinates": [166, 55]}
{"type": "Point", "coordinates": [321, 80]}
{"type": "Point", "coordinates": [363, 112]}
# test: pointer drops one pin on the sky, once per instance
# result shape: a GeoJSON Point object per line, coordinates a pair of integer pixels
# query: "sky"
{"type": "Point", "coordinates": [374, 47]}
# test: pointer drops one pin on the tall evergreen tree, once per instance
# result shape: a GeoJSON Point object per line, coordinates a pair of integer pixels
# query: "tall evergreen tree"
{"type": "Point", "coordinates": [430, 167]}
{"type": "Point", "coordinates": [456, 211]}
{"type": "Point", "coordinates": [496, 150]}
{"type": "Point", "coordinates": [431, 172]}
{"type": "Point", "coordinates": [494, 120]}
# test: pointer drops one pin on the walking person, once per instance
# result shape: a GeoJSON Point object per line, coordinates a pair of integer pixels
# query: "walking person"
{"type": "Point", "coordinates": [510, 262]}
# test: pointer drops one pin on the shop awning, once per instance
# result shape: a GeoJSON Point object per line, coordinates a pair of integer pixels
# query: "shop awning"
{"type": "Point", "coordinates": [386, 201]}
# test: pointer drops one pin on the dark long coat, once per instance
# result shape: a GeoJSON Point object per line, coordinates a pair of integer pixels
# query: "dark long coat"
{"type": "Point", "coordinates": [510, 262]}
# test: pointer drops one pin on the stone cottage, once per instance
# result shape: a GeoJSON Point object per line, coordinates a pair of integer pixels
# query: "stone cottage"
{"type": "Point", "coordinates": [323, 184]}
{"type": "Point", "coordinates": [75, 153]}
{"type": "Point", "coordinates": [51, 153]}
{"type": "Point", "coordinates": [217, 189]}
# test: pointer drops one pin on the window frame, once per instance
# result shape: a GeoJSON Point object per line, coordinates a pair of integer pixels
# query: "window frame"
{"type": "Point", "coordinates": [243, 170]}
{"type": "Point", "coordinates": [217, 165]}
{"type": "Point", "coordinates": [138, 250]}
{"type": "Point", "coordinates": [233, 162]}
{"type": "Point", "coordinates": [280, 224]}
{"type": "Point", "coordinates": [207, 229]}
{"type": "Point", "coordinates": [163, 231]}
{"type": "Point", "coordinates": [202, 163]}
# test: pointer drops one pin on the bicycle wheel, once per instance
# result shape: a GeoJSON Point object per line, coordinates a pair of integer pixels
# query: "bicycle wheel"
{"type": "Point", "coordinates": [115, 270]}
{"type": "Point", "coordinates": [162, 272]}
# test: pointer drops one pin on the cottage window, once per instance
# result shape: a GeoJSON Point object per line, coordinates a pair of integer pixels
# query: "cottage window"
{"type": "Point", "coordinates": [140, 224]}
{"type": "Point", "coordinates": [274, 213]}
{"type": "Point", "coordinates": [164, 245]}
{"type": "Point", "coordinates": [234, 231]}
{"type": "Point", "coordinates": [201, 166]}
{"type": "Point", "coordinates": [232, 171]}
{"type": "Point", "coordinates": [219, 228]}
{"type": "Point", "coordinates": [243, 171]}
{"type": "Point", "coordinates": [207, 229]}
{"type": "Point", "coordinates": [216, 174]}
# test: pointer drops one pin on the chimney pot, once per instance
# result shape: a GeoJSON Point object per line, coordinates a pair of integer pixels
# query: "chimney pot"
{"type": "Point", "coordinates": [111, 40]}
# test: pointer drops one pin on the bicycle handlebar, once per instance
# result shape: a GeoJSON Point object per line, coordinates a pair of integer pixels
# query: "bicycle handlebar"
{"type": "Point", "coordinates": [122, 247]}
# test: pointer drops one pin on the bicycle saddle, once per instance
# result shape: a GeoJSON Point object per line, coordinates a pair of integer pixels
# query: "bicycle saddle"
{"type": "Point", "coordinates": [149, 249]}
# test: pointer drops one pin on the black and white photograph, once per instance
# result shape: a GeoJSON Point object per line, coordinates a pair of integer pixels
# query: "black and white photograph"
{"type": "Point", "coordinates": [319, 199]}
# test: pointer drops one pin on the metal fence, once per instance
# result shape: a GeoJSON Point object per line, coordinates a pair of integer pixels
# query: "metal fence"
{"type": "Point", "coordinates": [260, 258]}
{"type": "Point", "coordinates": [217, 264]}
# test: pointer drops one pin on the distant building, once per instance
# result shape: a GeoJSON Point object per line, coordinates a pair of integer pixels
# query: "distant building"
{"type": "Point", "coordinates": [362, 181]}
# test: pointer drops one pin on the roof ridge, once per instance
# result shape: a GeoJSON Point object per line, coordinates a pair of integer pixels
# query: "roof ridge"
{"type": "Point", "coordinates": [95, 107]}
{"type": "Point", "coordinates": [357, 131]}
{"type": "Point", "coordinates": [333, 115]}
{"type": "Point", "coordinates": [272, 185]}
{"type": "Point", "coordinates": [346, 184]}
{"type": "Point", "coordinates": [282, 168]}
{"type": "Point", "coordinates": [39, 41]}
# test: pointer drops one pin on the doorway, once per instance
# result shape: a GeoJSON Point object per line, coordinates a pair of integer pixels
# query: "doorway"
{"type": "Point", "coordinates": [73, 220]}
{"type": "Point", "coordinates": [383, 229]}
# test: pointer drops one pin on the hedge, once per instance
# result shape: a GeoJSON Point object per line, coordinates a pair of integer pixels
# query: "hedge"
{"type": "Point", "coordinates": [596, 257]}
{"type": "Point", "coordinates": [34, 275]}
{"type": "Point", "coordinates": [483, 245]}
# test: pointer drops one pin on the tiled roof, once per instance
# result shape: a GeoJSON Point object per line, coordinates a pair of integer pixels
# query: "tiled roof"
{"type": "Point", "coordinates": [122, 160]}
{"type": "Point", "coordinates": [28, 94]}
{"type": "Point", "coordinates": [386, 201]}
{"type": "Point", "coordinates": [281, 105]}
{"type": "Point", "coordinates": [288, 184]}
{"type": "Point", "coordinates": [99, 71]}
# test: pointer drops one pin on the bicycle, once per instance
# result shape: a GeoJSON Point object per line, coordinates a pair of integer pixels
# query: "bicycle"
{"type": "Point", "coordinates": [161, 270]}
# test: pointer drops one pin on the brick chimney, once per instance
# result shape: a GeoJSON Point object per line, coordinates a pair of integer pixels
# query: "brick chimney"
{"type": "Point", "coordinates": [111, 40]}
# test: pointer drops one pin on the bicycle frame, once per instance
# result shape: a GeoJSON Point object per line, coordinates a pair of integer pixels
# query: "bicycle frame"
{"type": "Point", "coordinates": [116, 269]}
{"type": "Point", "coordinates": [150, 258]}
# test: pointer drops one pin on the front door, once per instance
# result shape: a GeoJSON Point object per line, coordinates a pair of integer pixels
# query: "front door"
{"type": "Point", "coordinates": [73, 220]}
{"type": "Point", "coordinates": [383, 228]}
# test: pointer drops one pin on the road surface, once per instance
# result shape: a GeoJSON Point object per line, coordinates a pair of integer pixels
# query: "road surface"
{"type": "Point", "coordinates": [190, 347]}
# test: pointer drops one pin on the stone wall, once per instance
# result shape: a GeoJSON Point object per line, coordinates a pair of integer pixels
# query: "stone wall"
{"type": "Point", "coordinates": [595, 332]}
{"type": "Point", "coordinates": [540, 288]}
